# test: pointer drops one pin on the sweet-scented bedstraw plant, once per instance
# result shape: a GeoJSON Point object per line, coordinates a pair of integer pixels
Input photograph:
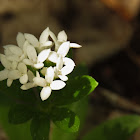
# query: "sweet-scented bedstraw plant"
{"type": "Point", "coordinates": [36, 76]}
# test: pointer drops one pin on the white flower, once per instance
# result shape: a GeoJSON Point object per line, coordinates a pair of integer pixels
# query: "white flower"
{"type": "Point", "coordinates": [48, 84]}
{"type": "Point", "coordinates": [39, 55]}
{"type": "Point", "coordinates": [61, 71]}
{"type": "Point", "coordinates": [43, 42]}
{"type": "Point", "coordinates": [33, 59]}
{"type": "Point", "coordinates": [31, 83]}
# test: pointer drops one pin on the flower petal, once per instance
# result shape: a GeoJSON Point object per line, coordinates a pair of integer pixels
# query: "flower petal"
{"type": "Point", "coordinates": [30, 75]}
{"type": "Point", "coordinates": [40, 81]}
{"type": "Point", "coordinates": [64, 49]}
{"type": "Point", "coordinates": [53, 56]}
{"type": "Point", "coordinates": [7, 52]}
{"type": "Point", "coordinates": [22, 68]}
{"type": "Point", "coordinates": [43, 55]}
{"type": "Point", "coordinates": [63, 77]}
{"type": "Point", "coordinates": [27, 86]}
{"type": "Point", "coordinates": [14, 74]}
{"type": "Point", "coordinates": [16, 50]}
{"type": "Point", "coordinates": [5, 62]}
{"type": "Point", "coordinates": [68, 62]}
{"type": "Point", "coordinates": [69, 66]}
{"type": "Point", "coordinates": [9, 82]}
{"type": "Point", "coordinates": [20, 39]}
{"type": "Point", "coordinates": [57, 85]}
{"type": "Point", "coordinates": [49, 76]}
{"type": "Point", "coordinates": [62, 36]}
{"type": "Point", "coordinates": [32, 39]}
{"type": "Point", "coordinates": [31, 53]}
{"type": "Point", "coordinates": [13, 58]}
{"type": "Point", "coordinates": [24, 79]}
{"type": "Point", "coordinates": [45, 93]}
{"type": "Point", "coordinates": [38, 65]}
{"type": "Point", "coordinates": [47, 44]}
{"type": "Point", "coordinates": [28, 62]}
{"type": "Point", "coordinates": [14, 65]}
{"type": "Point", "coordinates": [52, 35]}
{"type": "Point", "coordinates": [59, 63]}
{"type": "Point", "coordinates": [75, 45]}
{"type": "Point", "coordinates": [44, 36]}
{"type": "Point", "coordinates": [3, 74]}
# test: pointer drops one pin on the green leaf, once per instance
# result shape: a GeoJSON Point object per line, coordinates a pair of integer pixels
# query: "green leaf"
{"type": "Point", "coordinates": [15, 94]}
{"type": "Point", "coordinates": [118, 129]}
{"type": "Point", "coordinates": [80, 108]}
{"type": "Point", "coordinates": [65, 119]}
{"type": "Point", "coordinates": [19, 114]}
{"type": "Point", "coordinates": [40, 127]}
{"type": "Point", "coordinates": [76, 89]}
{"type": "Point", "coordinates": [14, 132]}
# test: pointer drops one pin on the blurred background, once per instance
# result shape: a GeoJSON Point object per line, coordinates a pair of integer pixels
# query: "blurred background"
{"type": "Point", "coordinates": [108, 30]}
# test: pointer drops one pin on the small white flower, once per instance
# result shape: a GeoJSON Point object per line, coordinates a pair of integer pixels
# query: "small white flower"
{"type": "Point", "coordinates": [30, 84]}
{"type": "Point", "coordinates": [48, 84]}
{"type": "Point", "coordinates": [61, 71]}
{"type": "Point", "coordinates": [43, 42]}
{"type": "Point", "coordinates": [35, 53]}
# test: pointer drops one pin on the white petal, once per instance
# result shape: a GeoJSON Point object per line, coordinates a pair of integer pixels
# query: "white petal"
{"type": "Point", "coordinates": [64, 49]}
{"type": "Point", "coordinates": [69, 66]}
{"type": "Point", "coordinates": [43, 55]}
{"type": "Point", "coordinates": [63, 77]}
{"type": "Point", "coordinates": [31, 52]}
{"type": "Point", "coordinates": [3, 74]}
{"type": "Point", "coordinates": [5, 62]}
{"type": "Point", "coordinates": [14, 74]}
{"type": "Point", "coordinates": [32, 39]}
{"type": "Point", "coordinates": [13, 58]}
{"type": "Point", "coordinates": [75, 45]}
{"type": "Point", "coordinates": [14, 65]}
{"type": "Point", "coordinates": [68, 62]}
{"type": "Point", "coordinates": [62, 37]}
{"type": "Point", "coordinates": [47, 44]}
{"type": "Point", "coordinates": [39, 65]}
{"type": "Point", "coordinates": [22, 57]}
{"type": "Point", "coordinates": [27, 86]}
{"type": "Point", "coordinates": [30, 76]}
{"type": "Point", "coordinates": [57, 85]}
{"type": "Point", "coordinates": [49, 76]}
{"type": "Point", "coordinates": [22, 68]}
{"type": "Point", "coordinates": [53, 56]}
{"type": "Point", "coordinates": [16, 50]}
{"type": "Point", "coordinates": [45, 93]}
{"type": "Point", "coordinates": [20, 39]}
{"type": "Point", "coordinates": [67, 70]}
{"type": "Point", "coordinates": [28, 62]}
{"type": "Point", "coordinates": [59, 63]}
{"type": "Point", "coordinates": [26, 43]}
{"type": "Point", "coordinates": [44, 36]}
{"type": "Point", "coordinates": [40, 81]}
{"type": "Point", "coordinates": [9, 82]}
{"type": "Point", "coordinates": [52, 35]}
{"type": "Point", "coordinates": [7, 52]}
{"type": "Point", "coordinates": [24, 79]}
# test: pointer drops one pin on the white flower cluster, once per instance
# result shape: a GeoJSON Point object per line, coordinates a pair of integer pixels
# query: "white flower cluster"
{"type": "Point", "coordinates": [37, 53]}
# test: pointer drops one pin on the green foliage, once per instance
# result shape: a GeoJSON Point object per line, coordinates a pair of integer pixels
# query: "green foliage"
{"type": "Point", "coordinates": [65, 119]}
{"type": "Point", "coordinates": [19, 114]}
{"type": "Point", "coordinates": [26, 105]}
{"type": "Point", "coordinates": [76, 89]}
{"type": "Point", "coordinates": [40, 127]}
{"type": "Point", "coordinates": [118, 129]}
